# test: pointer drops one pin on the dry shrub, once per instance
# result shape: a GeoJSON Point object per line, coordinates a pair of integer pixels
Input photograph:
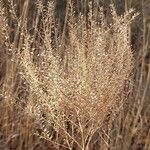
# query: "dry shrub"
{"type": "Point", "coordinates": [70, 98]}
{"type": "Point", "coordinates": [68, 89]}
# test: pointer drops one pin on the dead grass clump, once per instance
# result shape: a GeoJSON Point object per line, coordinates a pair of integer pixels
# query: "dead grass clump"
{"type": "Point", "coordinates": [65, 89]}
{"type": "Point", "coordinates": [71, 97]}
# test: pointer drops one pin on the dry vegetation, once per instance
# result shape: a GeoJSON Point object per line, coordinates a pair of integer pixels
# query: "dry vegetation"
{"type": "Point", "coordinates": [77, 82]}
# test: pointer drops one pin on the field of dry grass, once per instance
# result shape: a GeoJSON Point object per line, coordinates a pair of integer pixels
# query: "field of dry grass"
{"type": "Point", "coordinates": [74, 75]}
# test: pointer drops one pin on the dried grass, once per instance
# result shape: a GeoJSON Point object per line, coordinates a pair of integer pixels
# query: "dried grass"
{"type": "Point", "coordinates": [66, 92]}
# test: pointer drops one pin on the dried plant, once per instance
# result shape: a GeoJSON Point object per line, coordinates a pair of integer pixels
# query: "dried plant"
{"type": "Point", "coordinates": [63, 89]}
{"type": "Point", "coordinates": [70, 97]}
